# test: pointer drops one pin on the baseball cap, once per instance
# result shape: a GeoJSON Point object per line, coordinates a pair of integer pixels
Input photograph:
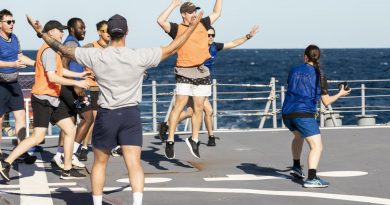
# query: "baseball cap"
{"type": "Point", "coordinates": [188, 7]}
{"type": "Point", "coordinates": [117, 24]}
{"type": "Point", "coordinates": [52, 25]}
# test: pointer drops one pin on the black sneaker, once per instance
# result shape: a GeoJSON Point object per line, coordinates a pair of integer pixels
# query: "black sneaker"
{"type": "Point", "coordinates": [4, 170]}
{"type": "Point", "coordinates": [83, 156]}
{"type": "Point", "coordinates": [162, 131]}
{"type": "Point", "coordinates": [2, 156]}
{"type": "Point", "coordinates": [71, 174]}
{"type": "Point", "coordinates": [211, 142]}
{"type": "Point", "coordinates": [169, 150]}
{"type": "Point", "coordinates": [117, 151]}
{"type": "Point", "coordinates": [26, 158]}
{"type": "Point", "coordinates": [194, 147]}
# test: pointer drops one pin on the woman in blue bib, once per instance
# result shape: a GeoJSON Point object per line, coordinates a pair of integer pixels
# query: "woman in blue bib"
{"type": "Point", "coordinates": [306, 86]}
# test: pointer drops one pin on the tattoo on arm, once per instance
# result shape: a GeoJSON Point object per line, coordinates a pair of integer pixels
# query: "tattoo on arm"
{"type": "Point", "coordinates": [58, 47]}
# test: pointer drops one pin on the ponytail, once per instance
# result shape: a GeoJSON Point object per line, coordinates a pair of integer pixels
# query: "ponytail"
{"type": "Point", "coordinates": [313, 54]}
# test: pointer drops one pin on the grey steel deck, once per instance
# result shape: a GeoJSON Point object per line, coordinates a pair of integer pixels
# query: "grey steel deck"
{"type": "Point", "coordinates": [245, 168]}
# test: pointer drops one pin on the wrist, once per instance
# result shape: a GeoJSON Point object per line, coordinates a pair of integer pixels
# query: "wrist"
{"type": "Point", "coordinates": [248, 36]}
{"type": "Point", "coordinates": [39, 34]}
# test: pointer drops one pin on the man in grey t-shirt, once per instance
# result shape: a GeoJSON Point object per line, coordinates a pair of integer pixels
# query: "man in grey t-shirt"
{"type": "Point", "coordinates": [119, 74]}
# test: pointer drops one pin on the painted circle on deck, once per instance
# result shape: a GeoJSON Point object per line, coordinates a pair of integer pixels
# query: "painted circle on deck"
{"type": "Point", "coordinates": [147, 180]}
{"type": "Point", "coordinates": [342, 174]}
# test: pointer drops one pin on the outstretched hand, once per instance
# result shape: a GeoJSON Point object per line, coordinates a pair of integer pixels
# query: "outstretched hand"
{"type": "Point", "coordinates": [35, 24]}
{"type": "Point", "coordinates": [195, 21]}
{"type": "Point", "coordinates": [176, 3]}
{"type": "Point", "coordinates": [254, 31]}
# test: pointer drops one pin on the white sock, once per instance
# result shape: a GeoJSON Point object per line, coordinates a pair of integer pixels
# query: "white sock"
{"type": "Point", "coordinates": [137, 198]}
{"type": "Point", "coordinates": [60, 150]}
{"type": "Point", "coordinates": [97, 199]}
{"type": "Point", "coordinates": [195, 140]}
{"type": "Point", "coordinates": [75, 147]}
{"type": "Point", "coordinates": [85, 147]}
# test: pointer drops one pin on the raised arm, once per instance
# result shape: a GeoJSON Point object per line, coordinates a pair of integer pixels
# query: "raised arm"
{"type": "Point", "coordinates": [54, 44]}
{"type": "Point", "coordinates": [327, 100]}
{"type": "Point", "coordinates": [180, 40]}
{"type": "Point", "coordinates": [162, 20]}
{"type": "Point", "coordinates": [241, 40]}
{"type": "Point", "coordinates": [216, 11]}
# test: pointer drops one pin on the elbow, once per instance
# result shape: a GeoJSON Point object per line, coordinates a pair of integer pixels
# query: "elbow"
{"type": "Point", "coordinates": [160, 22]}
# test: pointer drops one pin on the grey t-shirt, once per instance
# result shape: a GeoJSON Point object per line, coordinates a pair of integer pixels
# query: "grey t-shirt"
{"type": "Point", "coordinates": [49, 62]}
{"type": "Point", "coordinates": [119, 72]}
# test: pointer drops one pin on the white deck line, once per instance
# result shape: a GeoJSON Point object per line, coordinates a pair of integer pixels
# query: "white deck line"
{"type": "Point", "coordinates": [34, 187]}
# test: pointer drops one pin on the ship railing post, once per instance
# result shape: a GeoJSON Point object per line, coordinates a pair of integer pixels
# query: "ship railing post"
{"type": "Point", "coordinates": [322, 114]}
{"type": "Point", "coordinates": [363, 96]}
{"type": "Point", "coordinates": [266, 109]}
{"type": "Point", "coordinates": [273, 92]}
{"type": "Point", "coordinates": [215, 102]}
{"type": "Point", "coordinates": [154, 105]}
{"type": "Point", "coordinates": [282, 97]}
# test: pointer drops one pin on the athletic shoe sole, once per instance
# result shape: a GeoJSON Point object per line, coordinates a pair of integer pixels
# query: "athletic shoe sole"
{"type": "Point", "coordinates": [314, 186]}
{"type": "Point", "coordinates": [4, 176]}
{"type": "Point", "coordinates": [68, 178]}
{"type": "Point", "coordinates": [189, 146]}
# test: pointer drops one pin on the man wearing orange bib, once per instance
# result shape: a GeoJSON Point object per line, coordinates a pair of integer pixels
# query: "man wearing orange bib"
{"type": "Point", "coordinates": [192, 77]}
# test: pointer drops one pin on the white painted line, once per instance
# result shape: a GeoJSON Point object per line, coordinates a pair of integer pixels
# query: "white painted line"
{"type": "Point", "coordinates": [17, 186]}
{"type": "Point", "coordinates": [34, 188]}
{"type": "Point", "coordinates": [147, 180]}
{"type": "Point", "coordinates": [342, 174]}
{"type": "Point", "coordinates": [341, 197]}
{"type": "Point", "coordinates": [242, 177]}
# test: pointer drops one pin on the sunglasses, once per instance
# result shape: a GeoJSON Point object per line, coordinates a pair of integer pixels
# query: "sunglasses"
{"type": "Point", "coordinates": [9, 22]}
{"type": "Point", "coordinates": [211, 35]}
{"type": "Point", "coordinates": [103, 30]}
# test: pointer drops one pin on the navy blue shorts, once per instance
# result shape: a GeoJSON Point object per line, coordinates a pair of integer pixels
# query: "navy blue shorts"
{"type": "Point", "coordinates": [11, 97]}
{"type": "Point", "coordinates": [305, 126]}
{"type": "Point", "coordinates": [121, 126]}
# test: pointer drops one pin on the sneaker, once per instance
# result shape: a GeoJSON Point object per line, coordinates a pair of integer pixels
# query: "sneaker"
{"type": "Point", "coordinates": [76, 162]}
{"type": "Point", "coordinates": [211, 142]}
{"type": "Point", "coordinates": [2, 156]}
{"type": "Point", "coordinates": [71, 174]}
{"type": "Point", "coordinates": [117, 151]}
{"type": "Point", "coordinates": [57, 160]}
{"type": "Point", "coordinates": [297, 172]}
{"type": "Point", "coordinates": [4, 170]}
{"type": "Point", "coordinates": [162, 131]}
{"type": "Point", "coordinates": [194, 147]}
{"type": "Point", "coordinates": [169, 150]}
{"type": "Point", "coordinates": [315, 183]}
{"type": "Point", "coordinates": [83, 156]}
{"type": "Point", "coordinates": [26, 158]}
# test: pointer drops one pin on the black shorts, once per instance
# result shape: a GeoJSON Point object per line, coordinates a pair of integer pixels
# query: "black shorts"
{"type": "Point", "coordinates": [69, 96]}
{"type": "Point", "coordinates": [11, 97]}
{"type": "Point", "coordinates": [121, 126]}
{"type": "Point", "coordinates": [44, 113]}
{"type": "Point", "coordinates": [94, 99]}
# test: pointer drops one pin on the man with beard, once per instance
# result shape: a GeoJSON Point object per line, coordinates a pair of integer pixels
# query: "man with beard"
{"type": "Point", "coordinates": [75, 97]}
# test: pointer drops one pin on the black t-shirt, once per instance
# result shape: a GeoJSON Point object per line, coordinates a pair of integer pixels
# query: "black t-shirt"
{"type": "Point", "coordinates": [206, 22]}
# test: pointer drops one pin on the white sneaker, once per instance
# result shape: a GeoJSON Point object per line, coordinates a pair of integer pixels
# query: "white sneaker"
{"type": "Point", "coordinates": [76, 162]}
{"type": "Point", "coordinates": [57, 159]}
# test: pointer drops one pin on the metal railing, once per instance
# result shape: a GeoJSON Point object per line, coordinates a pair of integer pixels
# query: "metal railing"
{"type": "Point", "coordinates": [255, 103]}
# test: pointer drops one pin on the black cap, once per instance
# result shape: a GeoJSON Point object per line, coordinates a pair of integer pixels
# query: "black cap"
{"type": "Point", "coordinates": [52, 25]}
{"type": "Point", "coordinates": [117, 24]}
{"type": "Point", "coordinates": [188, 7]}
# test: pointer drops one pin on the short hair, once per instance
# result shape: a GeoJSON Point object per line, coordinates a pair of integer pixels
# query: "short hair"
{"type": "Point", "coordinates": [5, 12]}
{"type": "Point", "coordinates": [116, 36]}
{"type": "Point", "coordinates": [101, 24]}
{"type": "Point", "coordinates": [72, 22]}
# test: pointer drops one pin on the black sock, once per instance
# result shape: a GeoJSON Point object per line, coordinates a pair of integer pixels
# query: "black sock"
{"type": "Point", "coordinates": [297, 163]}
{"type": "Point", "coordinates": [312, 174]}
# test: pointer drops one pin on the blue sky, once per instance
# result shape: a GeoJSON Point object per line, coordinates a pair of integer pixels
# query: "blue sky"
{"type": "Point", "coordinates": [283, 23]}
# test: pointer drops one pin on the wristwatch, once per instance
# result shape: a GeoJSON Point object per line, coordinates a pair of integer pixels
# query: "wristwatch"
{"type": "Point", "coordinates": [39, 34]}
{"type": "Point", "coordinates": [248, 36]}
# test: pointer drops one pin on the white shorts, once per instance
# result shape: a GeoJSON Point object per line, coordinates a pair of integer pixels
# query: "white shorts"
{"type": "Point", "coordinates": [193, 90]}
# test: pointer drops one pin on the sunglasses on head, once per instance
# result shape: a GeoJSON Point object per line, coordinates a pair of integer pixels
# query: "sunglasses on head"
{"type": "Point", "coordinates": [211, 35]}
{"type": "Point", "coordinates": [9, 22]}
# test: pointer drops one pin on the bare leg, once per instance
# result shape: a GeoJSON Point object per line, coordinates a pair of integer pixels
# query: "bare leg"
{"type": "Point", "coordinates": [208, 117]}
{"type": "Point", "coordinates": [84, 125]}
{"type": "Point", "coordinates": [98, 176]}
{"type": "Point", "coordinates": [89, 134]}
{"type": "Point", "coordinates": [296, 146]}
{"type": "Point", "coordinates": [181, 101]}
{"type": "Point", "coordinates": [316, 148]}
{"type": "Point", "coordinates": [1, 130]}
{"type": "Point", "coordinates": [69, 130]}
{"type": "Point", "coordinates": [132, 157]}
{"type": "Point", "coordinates": [197, 117]}
{"type": "Point", "coordinates": [20, 124]}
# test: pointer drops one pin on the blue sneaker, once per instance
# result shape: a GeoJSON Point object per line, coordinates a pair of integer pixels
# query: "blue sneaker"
{"type": "Point", "coordinates": [315, 183]}
{"type": "Point", "coordinates": [297, 172]}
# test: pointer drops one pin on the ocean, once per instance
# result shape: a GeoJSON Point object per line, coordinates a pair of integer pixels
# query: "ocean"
{"type": "Point", "coordinates": [257, 66]}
